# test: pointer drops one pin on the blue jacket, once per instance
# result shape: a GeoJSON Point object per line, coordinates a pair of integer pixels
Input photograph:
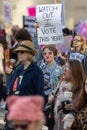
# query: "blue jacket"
{"type": "Point", "coordinates": [32, 82]}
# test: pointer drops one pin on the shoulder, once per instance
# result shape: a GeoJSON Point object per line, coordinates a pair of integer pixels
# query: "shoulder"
{"type": "Point", "coordinates": [36, 69]}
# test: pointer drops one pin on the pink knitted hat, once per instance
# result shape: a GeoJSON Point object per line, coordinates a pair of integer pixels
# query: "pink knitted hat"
{"type": "Point", "coordinates": [25, 108]}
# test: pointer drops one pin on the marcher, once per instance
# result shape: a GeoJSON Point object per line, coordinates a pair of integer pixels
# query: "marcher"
{"type": "Point", "coordinates": [52, 73]}
{"type": "Point", "coordinates": [19, 35]}
{"type": "Point", "coordinates": [25, 113]}
{"type": "Point", "coordinates": [51, 70]}
{"type": "Point", "coordinates": [80, 121]}
{"type": "Point", "coordinates": [27, 78]}
{"type": "Point", "coordinates": [79, 50]}
{"type": "Point", "coordinates": [80, 111]}
{"type": "Point", "coordinates": [71, 81]}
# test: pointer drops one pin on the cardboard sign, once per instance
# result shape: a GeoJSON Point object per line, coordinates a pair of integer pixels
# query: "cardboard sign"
{"type": "Point", "coordinates": [7, 12]}
{"type": "Point", "coordinates": [29, 24]}
{"type": "Point", "coordinates": [77, 56]}
{"type": "Point", "coordinates": [49, 19]}
{"type": "Point", "coordinates": [31, 11]}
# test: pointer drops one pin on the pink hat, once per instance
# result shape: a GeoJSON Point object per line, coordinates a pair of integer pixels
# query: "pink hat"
{"type": "Point", "coordinates": [25, 108]}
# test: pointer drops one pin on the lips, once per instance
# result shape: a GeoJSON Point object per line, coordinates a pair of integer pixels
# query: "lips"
{"type": "Point", "coordinates": [47, 57]}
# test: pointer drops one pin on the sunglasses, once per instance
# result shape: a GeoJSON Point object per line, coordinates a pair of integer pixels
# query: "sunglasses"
{"type": "Point", "coordinates": [66, 68]}
{"type": "Point", "coordinates": [22, 52]}
{"type": "Point", "coordinates": [49, 53]}
{"type": "Point", "coordinates": [22, 126]}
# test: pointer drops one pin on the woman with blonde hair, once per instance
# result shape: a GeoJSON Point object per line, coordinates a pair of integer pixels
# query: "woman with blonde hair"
{"type": "Point", "coordinates": [79, 50]}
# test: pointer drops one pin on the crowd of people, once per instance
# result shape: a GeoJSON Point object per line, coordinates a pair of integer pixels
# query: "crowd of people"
{"type": "Point", "coordinates": [43, 86]}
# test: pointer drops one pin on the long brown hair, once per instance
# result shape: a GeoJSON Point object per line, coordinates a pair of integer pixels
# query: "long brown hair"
{"type": "Point", "coordinates": [82, 98]}
{"type": "Point", "coordinates": [77, 74]}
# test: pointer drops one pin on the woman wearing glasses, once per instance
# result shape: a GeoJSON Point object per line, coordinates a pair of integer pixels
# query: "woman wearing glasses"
{"type": "Point", "coordinates": [79, 50]}
{"type": "Point", "coordinates": [80, 115]}
{"type": "Point", "coordinates": [67, 90]}
{"type": "Point", "coordinates": [52, 73]}
{"type": "Point", "coordinates": [27, 78]}
{"type": "Point", "coordinates": [51, 70]}
{"type": "Point", "coordinates": [25, 113]}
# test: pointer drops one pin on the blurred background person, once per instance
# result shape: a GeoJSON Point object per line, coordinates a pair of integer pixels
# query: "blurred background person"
{"type": "Point", "coordinates": [3, 92]}
{"type": "Point", "coordinates": [25, 113]}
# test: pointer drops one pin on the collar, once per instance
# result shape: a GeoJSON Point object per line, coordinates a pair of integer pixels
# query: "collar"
{"type": "Point", "coordinates": [30, 67]}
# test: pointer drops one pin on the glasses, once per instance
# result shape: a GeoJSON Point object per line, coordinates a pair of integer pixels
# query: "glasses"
{"type": "Point", "coordinates": [49, 53]}
{"type": "Point", "coordinates": [22, 126]}
{"type": "Point", "coordinates": [76, 40]}
{"type": "Point", "coordinates": [22, 52]}
{"type": "Point", "coordinates": [66, 68]}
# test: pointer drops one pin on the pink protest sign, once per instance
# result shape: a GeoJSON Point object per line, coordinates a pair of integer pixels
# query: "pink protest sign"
{"type": "Point", "coordinates": [31, 11]}
{"type": "Point", "coordinates": [83, 30]}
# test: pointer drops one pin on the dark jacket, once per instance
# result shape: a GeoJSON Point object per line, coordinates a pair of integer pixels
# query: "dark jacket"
{"type": "Point", "coordinates": [32, 82]}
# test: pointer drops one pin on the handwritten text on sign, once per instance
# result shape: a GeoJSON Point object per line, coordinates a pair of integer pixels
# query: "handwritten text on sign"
{"type": "Point", "coordinates": [49, 18]}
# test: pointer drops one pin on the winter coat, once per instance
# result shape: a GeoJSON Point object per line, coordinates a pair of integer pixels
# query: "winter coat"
{"type": "Point", "coordinates": [30, 83]}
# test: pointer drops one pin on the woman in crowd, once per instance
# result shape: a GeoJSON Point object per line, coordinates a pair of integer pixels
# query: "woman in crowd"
{"type": "Point", "coordinates": [25, 113]}
{"type": "Point", "coordinates": [71, 81]}
{"type": "Point", "coordinates": [27, 78]}
{"type": "Point", "coordinates": [79, 50]}
{"type": "Point", "coordinates": [80, 115]}
{"type": "Point", "coordinates": [51, 70]}
{"type": "Point", "coordinates": [52, 73]}
{"type": "Point", "coordinates": [19, 35]}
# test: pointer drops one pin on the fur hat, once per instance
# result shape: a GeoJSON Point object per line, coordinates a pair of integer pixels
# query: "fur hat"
{"type": "Point", "coordinates": [26, 46]}
{"type": "Point", "coordinates": [25, 108]}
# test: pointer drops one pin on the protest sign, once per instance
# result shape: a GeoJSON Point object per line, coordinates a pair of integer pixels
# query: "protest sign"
{"type": "Point", "coordinates": [49, 19]}
{"type": "Point", "coordinates": [7, 12]}
{"type": "Point", "coordinates": [65, 47]}
{"type": "Point", "coordinates": [29, 24]}
{"type": "Point", "coordinates": [31, 11]}
{"type": "Point", "coordinates": [77, 56]}
{"type": "Point", "coordinates": [83, 30]}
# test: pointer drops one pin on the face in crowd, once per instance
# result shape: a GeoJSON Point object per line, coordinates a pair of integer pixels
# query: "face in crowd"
{"type": "Point", "coordinates": [67, 73]}
{"type": "Point", "coordinates": [73, 72]}
{"type": "Point", "coordinates": [49, 53]}
{"type": "Point", "coordinates": [79, 41]}
{"type": "Point", "coordinates": [23, 125]}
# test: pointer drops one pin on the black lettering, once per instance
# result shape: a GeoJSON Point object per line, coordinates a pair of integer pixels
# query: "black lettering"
{"type": "Point", "coordinates": [48, 30]}
{"type": "Point", "coordinates": [56, 38]}
{"type": "Point", "coordinates": [44, 39]}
